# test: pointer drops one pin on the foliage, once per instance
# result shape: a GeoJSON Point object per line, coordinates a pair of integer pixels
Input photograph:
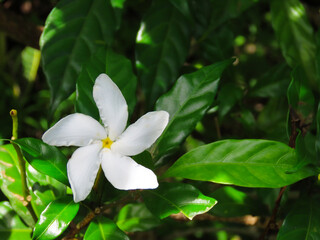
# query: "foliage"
{"type": "Point", "coordinates": [240, 81]}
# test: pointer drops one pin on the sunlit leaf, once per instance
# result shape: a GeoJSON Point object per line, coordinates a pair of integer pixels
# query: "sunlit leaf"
{"type": "Point", "coordinates": [11, 185]}
{"type": "Point", "coordinates": [186, 103]}
{"type": "Point", "coordinates": [118, 68]}
{"type": "Point", "coordinates": [103, 228]}
{"type": "Point", "coordinates": [55, 218]}
{"type": "Point", "coordinates": [11, 226]}
{"type": "Point", "coordinates": [173, 198]}
{"type": "Point", "coordinates": [248, 163]}
{"type": "Point", "coordinates": [73, 31]}
{"type": "Point", "coordinates": [45, 158]}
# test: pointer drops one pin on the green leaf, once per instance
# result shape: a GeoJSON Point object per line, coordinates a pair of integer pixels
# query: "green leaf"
{"type": "Point", "coordinates": [43, 189]}
{"type": "Point", "coordinates": [305, 149]}
{"type": "Point", "coordinates": [30, 63]}
{"type": "Point", "coordinates": [228, 96]}
{"type": "Point", "coordinates": [103, 228]}
{"type": "Point", "coordinates": [247, 163]}
{"type": "Point", "coordinates": [136, 217]}
{"type": "Point", "coordinates": [55, 218]}
{"type": "Point", "coordinates": [11, 185]}
{"type": "Point", "coordinates": [318, 54]}
{"type": "Point", "coordinates": [218, 46]}
{"type": "Point", "coordinates": [302, 222]}
{"type": "Point", "coordinates": [273, 83]}
{"type": "Point", "coordinates": [173, 198]}
{"type": "Point", "coordinates": [45, 158]}
{"type": "Point", "coordinates": [225, 10]}
{"type": "Point", "coordinates": [272, 120]}
{"type": "Point", "coordinates": [73, 32]}
{"type": "Point", "coordinates": [11, 226]}
{"type": "Point", "coordinates": [118, 68]}
{"type": "Point", "coordinates": [234, 203]}
{"type": "Point", "coordinates": [296, 37]}
{"type": "Point", "coordinates": [317, 143]}
{"type": "Point", "coordinates": [300, 97]}
{"type": "Point", "coordinates": [187, 102]}
{"type": "Point", "coordinates": [162, 46]}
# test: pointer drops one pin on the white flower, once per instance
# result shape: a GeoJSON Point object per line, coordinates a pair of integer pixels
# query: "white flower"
{"type": "Point", "coordinates": [110, 145]}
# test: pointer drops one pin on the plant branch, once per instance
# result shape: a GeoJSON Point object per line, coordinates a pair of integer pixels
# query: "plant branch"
{"type": "Point", "coordinates": [272, 221]}
{"type": "Point", "coordinates": [294, 125]}
{"type": "Point", "coordinates": [75, 229]}
{"type": "Point", "coordinates": [19, 29]}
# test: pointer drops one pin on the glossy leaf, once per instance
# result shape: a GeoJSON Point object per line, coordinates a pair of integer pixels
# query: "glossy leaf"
{"type": "Point", "coordinates": [136, 217]}
{"type": "Point", "coordinates": [234, 203]}
{"type": "Point", "coordinates": [73, 31]}
{"type": "Point", "coordinates": [173, 198]}
{"type": "Point", "coordinates": [119, 70]}
{"type": "Point", "coordinates": [11, 226]}
{"type": "Point", "coordinates": [248, 163]}
{"type": "Point", "coordinates": [302, 222]}
{"type": "Point", "coordinates": [162, 46]}
{"type": "Point", "coordinates": [45, 158]}
{"type": "Point", "coordinates": [187, 102]}
{"type": "Point", "coordinates": [55, 218]}
{"type": "Point", "coordinates": [103, 228]}
{"type": "Point", "coordinates": [295, 35]}
{"type": "Point", "coordinates": [43, 189]}
{"type": "Point", "coordinates": [11, 185]}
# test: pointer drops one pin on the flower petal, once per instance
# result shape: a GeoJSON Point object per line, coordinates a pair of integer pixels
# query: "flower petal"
{"type": "Point", "coordinates": [82, 170]}
{"type": "Point", "coordinates": [111, 104]}
{"type": "Point", "coordinates": [142, 134]}
{"type": "Point", "coordinates": [76, 129]}
{"type": "Point", "coordinates": [125, 174]}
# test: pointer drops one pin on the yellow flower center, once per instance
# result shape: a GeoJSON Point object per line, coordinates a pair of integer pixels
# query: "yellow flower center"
{"type": "Point", "coordinates": [106, 143]}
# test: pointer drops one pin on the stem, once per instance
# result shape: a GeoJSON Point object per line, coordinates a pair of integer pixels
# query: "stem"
{"type": "Point", "coordinates": [22, 165]}
{"type": "Point", "coordinates": [14, 116]}
{"type": "Point", "coordinates": [92, 214]}
{"type": "Point", "coordinates": [294, 124]}
{"type": "Point", "coordinates": [272, 221]}
{"type": "Point", "coordinates": [216, 124]}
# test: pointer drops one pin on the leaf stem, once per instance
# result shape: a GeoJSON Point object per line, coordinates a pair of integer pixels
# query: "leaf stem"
{"type": "Point", "coordinates": [294, 125]}
{"type": "Point", "coordinates": [75, 229]}
{"type": "Point", "coordinates": [22, 165]}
